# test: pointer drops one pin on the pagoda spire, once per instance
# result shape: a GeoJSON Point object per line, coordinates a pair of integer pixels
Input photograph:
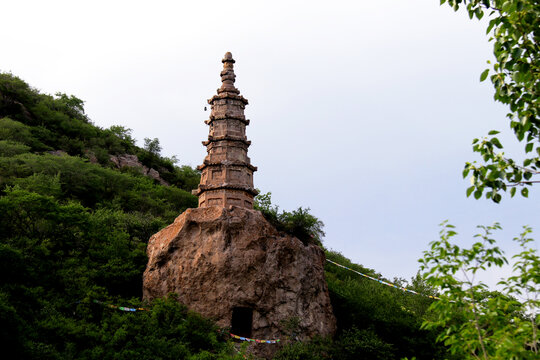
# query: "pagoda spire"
{"type": "Point", "coordinates": [228, 77]}
{"type": "Point", "coordinates": [226, 172]}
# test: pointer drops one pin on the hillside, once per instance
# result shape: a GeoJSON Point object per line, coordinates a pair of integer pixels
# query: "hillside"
{"type": "Point", "coordinates": [78, 204]}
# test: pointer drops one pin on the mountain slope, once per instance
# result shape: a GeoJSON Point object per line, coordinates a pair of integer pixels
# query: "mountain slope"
{"type": "Point", "coordinates": [74, 225]}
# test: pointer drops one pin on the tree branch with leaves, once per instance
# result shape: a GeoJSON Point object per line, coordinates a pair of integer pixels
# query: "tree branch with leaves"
{"type": "Point", "coordinates": [514, 29]}
{"type": "Point", "coordinates": [476, 323]}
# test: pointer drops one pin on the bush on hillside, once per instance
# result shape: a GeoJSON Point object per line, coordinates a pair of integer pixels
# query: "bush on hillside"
{"type": "Point", "coordinates": [299, 223]}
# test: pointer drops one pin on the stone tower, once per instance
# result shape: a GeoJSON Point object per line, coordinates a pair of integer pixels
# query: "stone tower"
{"type": "Point", "coordinates": [229, 263]}
{"type": "Point", "coordinates": [227, 174]}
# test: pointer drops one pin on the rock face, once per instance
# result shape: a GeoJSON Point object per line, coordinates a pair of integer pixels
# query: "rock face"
{"type": "Point", "coordinates": [133, 161]}
{"type": "Point", "coordinates": [233, 266]}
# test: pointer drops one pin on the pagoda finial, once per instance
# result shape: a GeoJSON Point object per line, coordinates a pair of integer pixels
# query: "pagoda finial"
{"type": "Point", "coordinates": [227, 75]}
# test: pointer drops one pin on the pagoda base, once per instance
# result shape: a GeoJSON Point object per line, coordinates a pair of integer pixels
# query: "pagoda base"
{"type": "Point", "coordinates": [226, 198]}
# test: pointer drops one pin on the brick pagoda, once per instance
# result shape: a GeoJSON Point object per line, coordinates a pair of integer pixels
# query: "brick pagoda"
{"type": "Point", "coordinates": [226, 173]}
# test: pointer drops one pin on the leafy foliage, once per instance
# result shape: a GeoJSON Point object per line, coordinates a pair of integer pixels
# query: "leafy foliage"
{"type": "Point", "coordinates": [123, 133]}
{"type": "Point", "coordinates": [514, 27]}
{"type": "Point", "coordinates": [11, 148]}
{"type": "Point", "coordinates": [57, 257]}
{"type": "Point", "coordinates": [299, 222]}
{"type": "Point", "coordinates": [46, 123]}
{"type": "Point", "coordinates": [93, 185]}
{"type": "Point", "coordinates": [353, 344]}
{"type": "Point", "coordinates": [72, 231]}
{"type": "Point", "coordinates": [152, 145]}
{"type": "Point", "coordinates": [476, 323]}
{"type": "Point", "coordinates": [385, 320]}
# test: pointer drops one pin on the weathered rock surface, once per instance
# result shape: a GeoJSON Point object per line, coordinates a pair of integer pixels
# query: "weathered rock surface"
{"type": "Point", "coordinates": [58, 153]}
{"type": "Point", "coordinates": [91, 156]}
{"type": "Point", "coordinates": [220, 259]}
{"type": "Point", "coordinates": [133, 161]}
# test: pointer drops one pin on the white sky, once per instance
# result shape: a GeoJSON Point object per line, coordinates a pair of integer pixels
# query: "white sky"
{"type": "Point", "coordinates": [362, 111]}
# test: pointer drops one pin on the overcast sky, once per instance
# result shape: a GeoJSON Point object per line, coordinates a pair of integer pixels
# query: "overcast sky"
{"type": "Point", "coordinates": [362, 111]}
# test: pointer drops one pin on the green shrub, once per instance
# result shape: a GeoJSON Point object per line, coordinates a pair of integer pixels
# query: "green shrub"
{"type": "Point", "coordinates": [316, 349]}
{"type": "Point", "coordinates": [299, 223]}
{"type": "Point", "coordinates": [11, 148]}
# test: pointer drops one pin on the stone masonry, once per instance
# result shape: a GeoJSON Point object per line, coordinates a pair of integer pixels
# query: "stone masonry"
{"type": "Point", "coordinates": [227, 173]}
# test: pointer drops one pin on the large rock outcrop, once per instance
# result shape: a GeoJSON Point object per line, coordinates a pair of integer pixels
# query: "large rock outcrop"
{"type": "Point", "coordinates": [233, 266]}
{"type": "Point", "coordinates": [128, 160]}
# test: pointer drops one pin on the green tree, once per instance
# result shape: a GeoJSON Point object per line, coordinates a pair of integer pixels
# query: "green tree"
{"type": "Point", "coordinates": [71, 105]}
{"type": "Point", "coordinates": [515, 32]}
{"type": "Point", "coordinates": [474, 322]}
{"type": "Point", "coordinates": [123, 133]}
{"type": "Point", "coordinates": [152, 145]}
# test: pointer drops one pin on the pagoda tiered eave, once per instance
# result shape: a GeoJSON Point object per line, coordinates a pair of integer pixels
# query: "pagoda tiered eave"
{"type": "Point", "coordinates": [227, 94]}
{"type": "Point", "coordinates": [225, 186]}
{"type": "Point", "coordinates": [226, 117]}
{"type": "Point", "coordinates": [226, 163]}
{"type": "Point", "coordinates": [226, 138]}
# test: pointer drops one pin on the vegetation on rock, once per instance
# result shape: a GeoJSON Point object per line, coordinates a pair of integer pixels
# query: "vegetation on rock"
{"type": "Point", "coordinates": [299, 223]}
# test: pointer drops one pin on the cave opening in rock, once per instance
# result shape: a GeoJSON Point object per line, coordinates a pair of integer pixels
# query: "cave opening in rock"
{"type": "Point", "coordinates": [242, 321]}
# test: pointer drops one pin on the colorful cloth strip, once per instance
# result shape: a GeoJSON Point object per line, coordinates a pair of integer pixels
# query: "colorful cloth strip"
{"type": "Point", "coordinates": [383, 282]}
{"type": "Point", "coordinates": [254, 340]}
{"type": "Point", "coordinates": [122, 308]}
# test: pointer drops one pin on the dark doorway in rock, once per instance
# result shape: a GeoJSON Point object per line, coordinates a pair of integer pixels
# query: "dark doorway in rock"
{"type": "Point", "coordinates": [241, 322]}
